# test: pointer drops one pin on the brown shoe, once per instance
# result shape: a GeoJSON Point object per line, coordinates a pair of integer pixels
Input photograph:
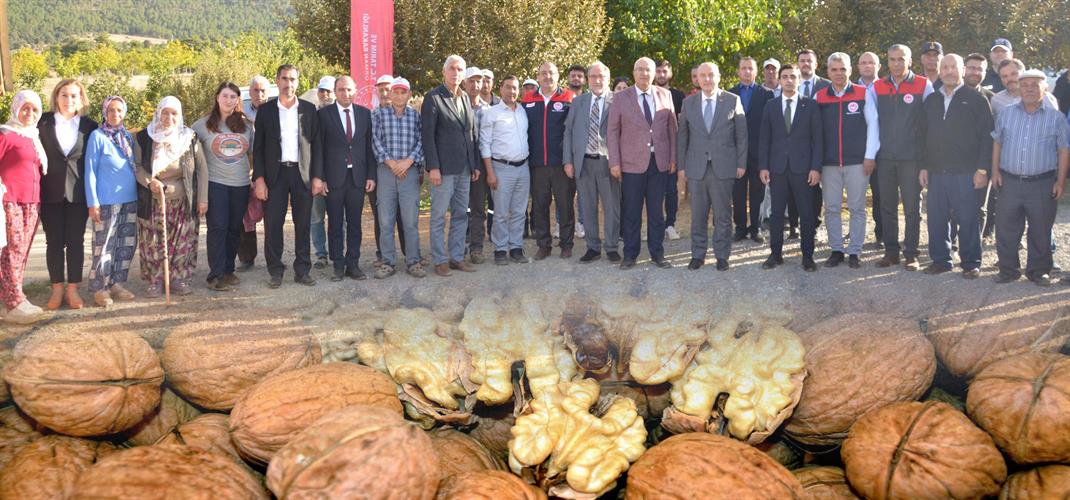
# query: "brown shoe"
{"type": "Point", "coordinates": [56, 299]}
{"type": "Point", "coordinates": [462, 266]}
{"type": "Point", "coordinates": [120, 293]}
{"type": "Point", "coordinates": [566, 253]}
{"type": "Point", "coordinates": [543, 253]}
{"type": "Point", "coordinates": [102, 298]}
{"type": "Point", "coordinates": [888, 261]}
{"type": "Point", "coordinates": [231, 279]}
{"type": "Point", "coordinates": [74, 299]}
{"type": "Point", "coordinates": [443, 270]}
{"type": "Point", "coordinates": [911, 264]}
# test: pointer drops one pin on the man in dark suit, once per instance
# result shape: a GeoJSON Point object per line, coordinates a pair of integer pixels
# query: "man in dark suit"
{"type": "Point", "coordinates": [282, 159]}
{"type": "Point", "coordinates": [753, 97]}
{"type": "Point", "coordinates": [344, 168]}
{"type": "Point", "coordinates": [790, 152]}
{"type": "Point", "coordinates": [449, 134]}
{"type": "Point", "coordinates": [809, 85]}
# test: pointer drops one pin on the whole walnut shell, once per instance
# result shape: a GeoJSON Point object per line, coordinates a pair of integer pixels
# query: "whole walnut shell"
{"type": "Point", "coordinates": [49, 467]}
{"type": "Point", "coordinates": [459, 453]}
{"type": "Point", "coordinates": [167, 471]}
{"type": "Point", "coordinates": [1042, 483]}
{"type": "Point", "coordinates": [1024, 402]}
{"type": "Point", "coordinates": [357, 452]}
{"type": "Point", "coordinates": [276, 409]}
{"type": "Point", "coordinates": [85, 383]}
{"type": "Point", "coordinates": [488, 485]}
{"type": "Point", "coordinates": [855, 363]}
{"type": "Point", "coordinates": [921, 450]}
{"type": "Point", "coordinates": [214, 360]}
{"type": "Point", "coordinates": [210, 432]}
{"type": "Point", "coordinates": [824, 483]}
{"type": "Point", "coordinates": [685, 464]}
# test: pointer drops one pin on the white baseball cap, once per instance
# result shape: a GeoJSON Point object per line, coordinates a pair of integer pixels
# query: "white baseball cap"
{"type": "Point", "coordinates": [1033, 73]}
{"type": "Point", "coordinates": [529, 81]}
{"type": "Point", "coordinates": [326, 83]}
{"type": "Point", "coordinates": [488, 74]}
{"type": "Point", "coordinates": [772, 61]}
{"type": "Point", "coordinates": [472, 71]}
{"type": "Point", "coordinates": [400, 82]}
{"type": "Point", "coordinates": [384, 79]}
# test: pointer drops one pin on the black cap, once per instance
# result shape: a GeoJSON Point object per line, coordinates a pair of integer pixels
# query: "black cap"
{"type": "Point", "coordinates": [928, 46]}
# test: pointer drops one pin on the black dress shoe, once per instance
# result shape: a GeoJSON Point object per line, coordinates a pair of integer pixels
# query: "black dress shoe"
{"type": "Point", "coordinates": [339, 274]}
{"type": "Point", "coordinates": [627, 263]}
{"type": "Point", "coordinates": [613, 257]}
{"type": "Point", "coordinates": [304, 280]}
{"type": "Point", "coordinates": [793, 234]}
{"type": "Point", "coordinates": [275, 282]}
{"type": "Point", "coordinates": [695, 264]}
{"type": "Point", "coordinates": [757, 237]}
{"type": "Point", "coordinates": [661, 262]}
{"type": "Point", "coordinates": [517, 256]}
{"type": "Point", "coordinates": [590, 256]}
{"type": "Point", "coordinates": [356, 273]}
{"type": "Point", "coordinates": [1002, 277]}
{"type": "Point", "coordinates": [772, 262]}
{"type": "Point", "coordinates": [722, 264]}
{"type": "Point", "coordinates": [934, 269]}
{"type": "Point", "coordinates": [739, 236]}
{"type": "Point", "coordinates": [808, 264]}
{"type": "Point", "coordinates": [501, 258]}
{"type": "Point", "coordinates": [853, 262]}
{"type": "Point", "coordinates": [1040, 279]}
{"type": "Point", "coordinates": [835, 259]}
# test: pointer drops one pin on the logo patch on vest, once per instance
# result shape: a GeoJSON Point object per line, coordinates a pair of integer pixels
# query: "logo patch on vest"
{"type": "Point", "coordinates": [558, 106]}
{"type": "Point", "coordinates": [852, 107]}
{"type": "Point", "coordinates": [909, 98]}
{"type": "Point", "coordinates": [530, 105]}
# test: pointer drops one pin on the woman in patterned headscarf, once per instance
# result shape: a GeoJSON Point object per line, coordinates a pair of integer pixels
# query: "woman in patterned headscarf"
{"type": "Point", "coordinates": [111, 195]}
{"type": "Point", "coordinates": [22, 162]}
{"type": "Point", "coordinates": [171, 165]}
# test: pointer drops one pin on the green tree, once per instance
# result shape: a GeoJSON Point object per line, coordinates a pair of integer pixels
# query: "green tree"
{"type": "Point", "coordinates": [29, 69]}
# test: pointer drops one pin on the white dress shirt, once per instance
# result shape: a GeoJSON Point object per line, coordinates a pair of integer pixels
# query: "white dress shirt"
{"type": "Point", "coordinates": [794, 105]}
{"type": "Point", "coordinates": [600, 100]}
{"type": "Point", "coordinates": [503, 133]}
{"type": "Point", "coordinates": [289, 130]}
{"type": "Point", "coordinates": [67, 132]}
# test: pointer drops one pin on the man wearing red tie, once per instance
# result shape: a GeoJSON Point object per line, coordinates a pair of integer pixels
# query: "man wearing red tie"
{"type": "Point", "coordinates": [642, 155]}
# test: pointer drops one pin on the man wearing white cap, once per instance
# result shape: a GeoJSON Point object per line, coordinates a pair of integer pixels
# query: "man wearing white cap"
{"type": "Point", "coordinates": [325, 97]}
{"type": "Point", "coordinates": [488, 89]}
{"type": "Point", "coordinates": [1030, 159]}
{"type": "Point", "coordinates": [477, 197]}
{"type": "Point", "coordinates": [449, 136]}
{"type": "Point", "coordinates": [770, 69]}
{"type": "Point", "coordinates": [399, 151]}
{"type": "Point", "coordinates": [529, 86]}
{"type": "Point", "coordinates": [382, 92]}
{"type": "Point", "coordinates": [325, 92]}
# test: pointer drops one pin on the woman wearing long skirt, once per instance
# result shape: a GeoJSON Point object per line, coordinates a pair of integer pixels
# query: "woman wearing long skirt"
{"type": "Point", "coordinates": [171, 165]}
{"type": "Point", "coordinates": [22, 162]}
{"type": "Point", "coordinates": [111, 195]}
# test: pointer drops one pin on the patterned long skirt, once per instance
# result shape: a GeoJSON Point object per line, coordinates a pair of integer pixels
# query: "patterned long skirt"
{"type": "Point", "coordinates": [182, 229]}
{"type": "Point", "coordinates": [114, 239]}
{"type": "Point", "coordinates": [21, 223]}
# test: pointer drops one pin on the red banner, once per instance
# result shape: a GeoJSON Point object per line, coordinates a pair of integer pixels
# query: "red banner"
{"type": "Point", "coordinates": [371, 49]}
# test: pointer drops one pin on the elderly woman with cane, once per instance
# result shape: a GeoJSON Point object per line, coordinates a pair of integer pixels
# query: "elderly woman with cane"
{"type": "Point", "coordinates": [22, 162]}
{"type": "Point", "coordinates": [111, 195]}
{"type": "Point", "coordinates": [173, 194]}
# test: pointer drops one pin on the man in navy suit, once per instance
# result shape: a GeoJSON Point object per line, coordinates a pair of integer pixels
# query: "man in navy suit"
{"type": "Point", "coordinates": [344, 168]}
{"type": "Point", "coordinates": [753, 97]}
{"type": "Point", "coordinates": [790, 152]}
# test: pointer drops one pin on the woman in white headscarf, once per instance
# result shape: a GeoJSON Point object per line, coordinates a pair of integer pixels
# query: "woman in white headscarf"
{"type": "Point", "coordinates": [22, 163]}
{"type": "Point", "coordinates": [170, 165]}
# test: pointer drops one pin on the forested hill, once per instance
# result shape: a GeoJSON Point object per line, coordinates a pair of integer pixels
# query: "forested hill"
{"type": "Point", "coordinates": [39, 22]}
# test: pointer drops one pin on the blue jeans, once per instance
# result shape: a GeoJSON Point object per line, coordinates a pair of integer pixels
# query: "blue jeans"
{"type": "Point", "coordinates": [391, 191]}
{"type": "Point", "coordinates": [954, 193]}
{"type": "Point", "coordinates": [510, 203]}
{"type": "Point", "coordinates": [451, 195]}
{"type": "Point", "coordinates": [226, 207]}
{"type": "Point", "coordinates": [319, 229]}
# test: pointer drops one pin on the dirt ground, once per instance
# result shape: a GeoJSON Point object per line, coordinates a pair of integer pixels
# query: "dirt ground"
{"type": "Point", "coordinates": [331, 308]}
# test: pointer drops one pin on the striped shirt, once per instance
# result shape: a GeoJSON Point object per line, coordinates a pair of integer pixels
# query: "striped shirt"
{"type": "Point", "coordinates": [1030, 142]}
{"type": "Point", "coordinates": [396, 137]}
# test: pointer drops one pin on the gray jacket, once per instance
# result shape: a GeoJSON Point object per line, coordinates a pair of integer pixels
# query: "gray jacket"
{"type": "Point", "coordinates": [576, 124]}
{"type": "Point", "coordinates": [724, 146]}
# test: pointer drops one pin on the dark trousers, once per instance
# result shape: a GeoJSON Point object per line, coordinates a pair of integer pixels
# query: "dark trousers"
{"type": "Point", "coordinates": [64, 224]}
{"type": "Point", "coordinates": [783, 186]}
{"type": "Point", "coordinates": [1023, 202]}
{"type": "Point", "coordinates": [953, 194]}
{"type": "Point", "coordinates": [344, 206]}
{"type": "Point", "coordinates": [749, 187]}
{"type": "Point", "coordinates": [990, 217]}
{"type": "Point", "coordinates": [637, 190]}
{"type": "Point", "coordinates": [288, 191]}
{"type": "Point", "coordinates": [551, 182]}
{"type": "Point", "coordinates": [878, 219]}
{"type": "Point", "coordinates": [247, 247]}
{"type": "Point", "coordinates": [672, 201]}
{"type": "Point", "coordinates": [226, 207]}
{"type": "Point", "coordinates": [898, 180]}
{"type": "Point", "coordinates": [479, 225]}
{"type": "Point", "coordinates": [374, 202]}
{"type": "Point", "coordinates": [816, 204]}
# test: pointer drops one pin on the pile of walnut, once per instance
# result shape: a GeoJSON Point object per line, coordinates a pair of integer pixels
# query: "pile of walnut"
{"type": "Point", "coordinates": [535, 396]}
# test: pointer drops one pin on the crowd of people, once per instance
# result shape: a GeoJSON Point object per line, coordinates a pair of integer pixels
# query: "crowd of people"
{"type": "Point", "coordinates": [989, 144]}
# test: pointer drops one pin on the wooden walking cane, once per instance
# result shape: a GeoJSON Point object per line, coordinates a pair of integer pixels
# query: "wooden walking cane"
{"type": "Point", "coordinates": [166, 255]}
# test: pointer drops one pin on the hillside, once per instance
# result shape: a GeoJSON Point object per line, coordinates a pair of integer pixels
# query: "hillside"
{"type": "Point", "coordinates": [37, 22]}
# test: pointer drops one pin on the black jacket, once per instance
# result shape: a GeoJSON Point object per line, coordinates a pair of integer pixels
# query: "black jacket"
{"type": "Point", "coordinates": [64, 181]}
{"type": "Point", "coordinates": [449, 134]}
{"type": "Point", "coordinates": [267, 146]}
{"type": "Point", "coordinates": [331, 149]}
{"type": "Point", "coordinates": [755, 110]}
{"type": "Point", "coordinates": [799, 151]}
{"type": "Point", "coordinates": [961, 141]}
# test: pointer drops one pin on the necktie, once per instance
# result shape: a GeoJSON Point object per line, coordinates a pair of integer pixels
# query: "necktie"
{"type": "Point", "coordinates": [646, 109]}
{"type": "Point", "coordinates": [707, 114]}
{"type": "Point", "coordinates": [592, 127]}
{"type": "Point", "coordinates": [349, 136]}
{"type": "Point", "coordinates": [787, 116]}
{"type": "Point", "coordinates": [806, 91]}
